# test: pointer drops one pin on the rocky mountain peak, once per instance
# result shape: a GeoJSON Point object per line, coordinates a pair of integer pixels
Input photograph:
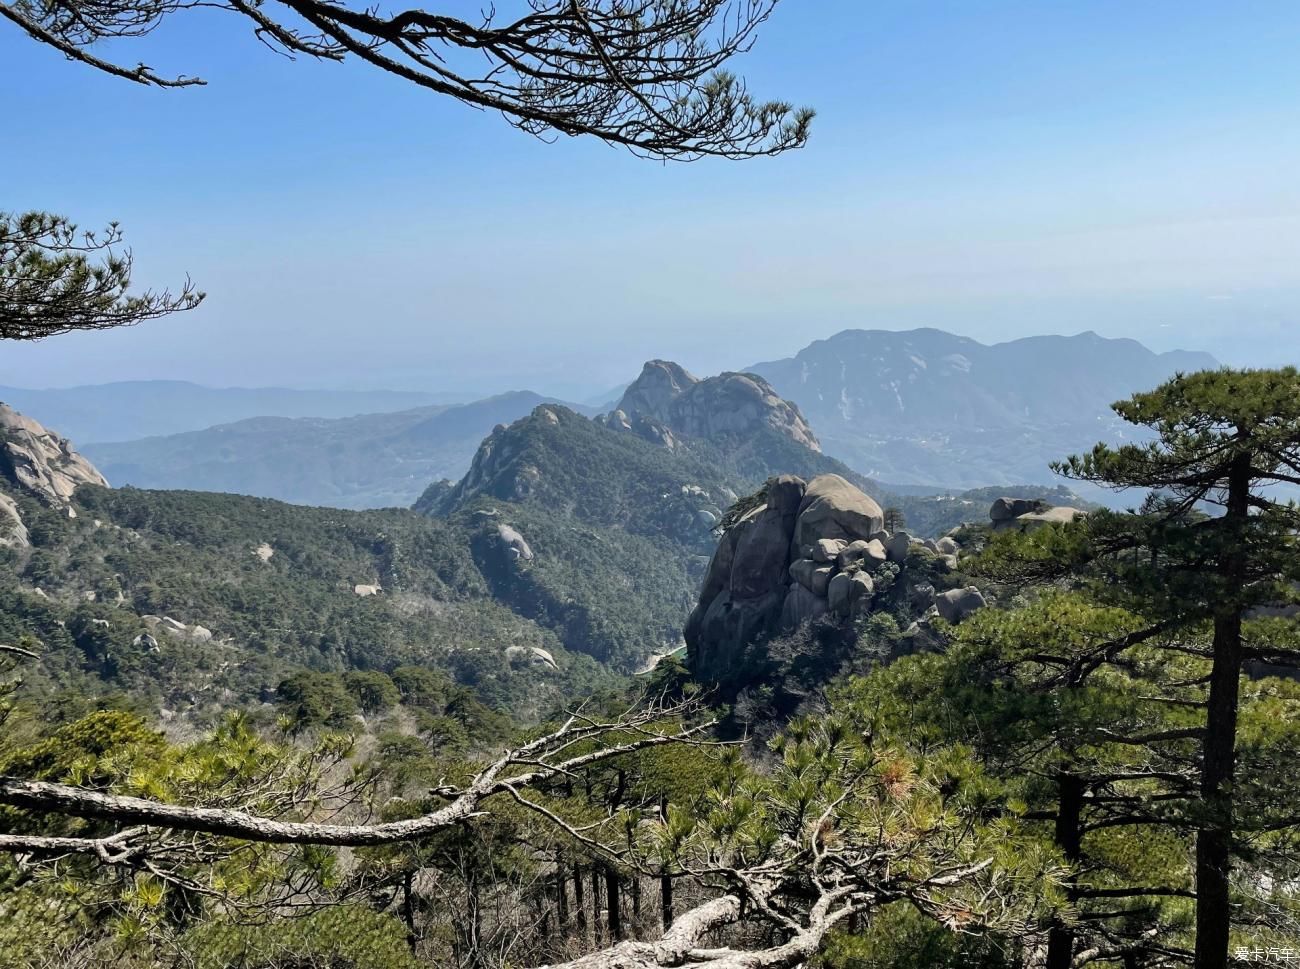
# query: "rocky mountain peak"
{"type": "Point", "coordinates": [654, 392]}
{"type": "Point", "coordinates": [40, 461]}
{"type": "Point", "coordinates": [667, 404]}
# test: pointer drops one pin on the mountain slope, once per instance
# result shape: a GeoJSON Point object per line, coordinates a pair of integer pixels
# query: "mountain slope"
{"type": "Point", "coordinates": [619, 523]}
{"type": "Point", "coordinates": [195, 601]}
{"type": "Point", "coordinates": [367, 461]}
{"type": "Point", "coordinates": [927, 407]}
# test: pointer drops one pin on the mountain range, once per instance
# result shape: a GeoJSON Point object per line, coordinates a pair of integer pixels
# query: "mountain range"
{"type": "Point", "coordinates": [570, 551]}
{"type": "Point", "coordinates": [923, 410]}
{"type": "Point", "coordinates": [931, 408]}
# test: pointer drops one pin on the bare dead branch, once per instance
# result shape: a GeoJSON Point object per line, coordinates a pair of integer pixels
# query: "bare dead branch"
{"type": "Point", "coordinates": [233, 823]}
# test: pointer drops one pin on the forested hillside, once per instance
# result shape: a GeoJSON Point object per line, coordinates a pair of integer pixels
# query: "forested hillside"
{"type": "Point", "coordinates": [262, 589]}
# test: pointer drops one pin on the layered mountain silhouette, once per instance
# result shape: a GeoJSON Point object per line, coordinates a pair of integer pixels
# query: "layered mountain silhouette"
{"type": "Point", "coordinates": [132, 409]}
{"type": "Point", "coordinates": [367, 461]}
{"type": "Point", "coordinates": [928, 407]}
{"type": "Point", "coordinates": [920, 409]}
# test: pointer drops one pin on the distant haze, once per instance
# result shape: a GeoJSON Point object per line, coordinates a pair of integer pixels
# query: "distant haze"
{"type": "Point", "coordinates": [916, 408]}
{"type": "Point", "coordinates": [996, 170]}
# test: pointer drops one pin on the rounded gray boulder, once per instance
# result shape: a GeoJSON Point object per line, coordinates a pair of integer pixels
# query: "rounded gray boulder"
{"type": "Point", "coordinates": [956, 604]}
{"type": "Point", "coordinates": [833, 508]}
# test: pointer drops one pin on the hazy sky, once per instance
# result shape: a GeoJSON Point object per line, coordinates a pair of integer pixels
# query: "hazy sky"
{"type": "Point", "coordinates": [995, 168]}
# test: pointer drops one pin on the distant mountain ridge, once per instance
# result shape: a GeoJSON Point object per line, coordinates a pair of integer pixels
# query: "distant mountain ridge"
{"type": "Point", "coordinates": [929, 407]}
{"type": "Point", "coordinates": [919, 409]}
{"type": "Point", "coordinates": [134, 409]}
{"type": "Point", "coordinates": [367, 461]}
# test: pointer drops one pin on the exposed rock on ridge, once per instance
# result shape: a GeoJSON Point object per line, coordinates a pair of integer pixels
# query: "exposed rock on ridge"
{"type": "Point", "coordinates": [666, 403]}
{"type": "Point", "coordinates": [1025, 513]}
{"type": "Point", "coordinates": [13, 533]}
{"type": "Point", "coordinates": [497, 467]}
{"type": "Point", "coordinates": [40, 461]}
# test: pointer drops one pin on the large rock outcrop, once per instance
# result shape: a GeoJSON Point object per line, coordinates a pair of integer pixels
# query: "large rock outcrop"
{"type": "Point", "coordinates": [41, 462]}
{"type": "Point", "coordinates": [1027, 513]}
{"type": "Point", "coordinates": [514, 544]}
{"type": "Point", "coordinates": [666, 404]}
{"type": "Point", "coordinates": [809, 550]}
{"type": "Point", "coordinates": [13, 532]}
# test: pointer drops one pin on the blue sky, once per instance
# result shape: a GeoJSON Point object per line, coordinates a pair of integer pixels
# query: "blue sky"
{"type": "Point", "coordinates": [995, 168]}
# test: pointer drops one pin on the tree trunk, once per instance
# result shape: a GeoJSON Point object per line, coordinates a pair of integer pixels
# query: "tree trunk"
{"type": "Point", "coordinates": [475, 925]}
{"type": "Point", "coordinates": [612, 906]}
{"type": "Point", "coordinates": [579, 903]}
{"type": "Point", "coordinates": [408, 906]}
{"type": "Point", "coordinates": [542, 915]}
{"type": "Point", "coordinates": [1069, 838]}
{"type": "Point", "coordinates": [636, 899]}
{"type": "Point", "coordinates": [561, 897]}
{"type": "Point", "coordinates": [666, 899]}
{"type": "Point", "coordinates": [1214, 839]}
{"type": "Point", "coordinates": [596, 931]}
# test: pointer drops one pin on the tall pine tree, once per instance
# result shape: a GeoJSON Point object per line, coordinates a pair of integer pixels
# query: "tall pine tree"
{"type": "Point", "coordinates": [1224, 442]}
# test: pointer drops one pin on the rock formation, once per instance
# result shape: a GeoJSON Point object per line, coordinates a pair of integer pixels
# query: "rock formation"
{"type": "Point", "coordinates": [832, 508]}
{"type": "Point", "coordinates": [13, 533]}
{"type": "Point", "coordinates": [956, 604]}
{"type": "Point", "coordinates": [533, 655]}
{"type": "Point", "coordinates": [175, 628]}
{"type": "Point", "coordinates": [513, 543]}
{"type": "Point", "coordinates": [808, 550]}
{"type": "Point", "coordinates": [667, 404]}
{"type": "Point", "coordinates": [1026, 513]}
{"type": "Point", "coordinates": [40, 461]}
{"type": "Point", "coordinates": [1006, 509]}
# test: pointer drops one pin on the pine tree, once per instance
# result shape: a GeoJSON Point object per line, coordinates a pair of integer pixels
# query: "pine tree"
{"type": "Point", "coordinates": [50, 282]}
{"type": "Point", "coordinates": [1224, 440]}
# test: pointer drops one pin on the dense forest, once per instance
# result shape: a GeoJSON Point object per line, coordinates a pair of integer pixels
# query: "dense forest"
{"type": "Point", "coordinates": [1093, 770]}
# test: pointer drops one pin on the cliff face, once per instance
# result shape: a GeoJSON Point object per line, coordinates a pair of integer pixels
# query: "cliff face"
{"type": "Point", "coordinates": [40, 462]}
{"type": "Point", "coordinates": [809, 550]}
{"type": "Point", "coordinates": [667, 404]}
